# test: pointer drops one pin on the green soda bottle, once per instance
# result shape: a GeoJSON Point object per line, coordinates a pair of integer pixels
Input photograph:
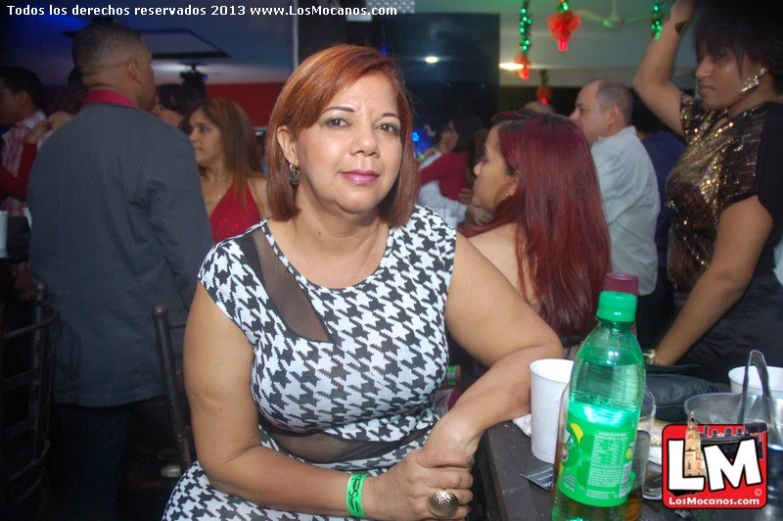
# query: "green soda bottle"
{"type": "Point", "coordinates": [606, 390]}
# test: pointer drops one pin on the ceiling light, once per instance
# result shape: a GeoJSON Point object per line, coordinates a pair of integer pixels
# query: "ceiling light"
{"type": "Point", "coordinates": [510, 66]}
{"type": "Point", "coordinates": [431, 59]}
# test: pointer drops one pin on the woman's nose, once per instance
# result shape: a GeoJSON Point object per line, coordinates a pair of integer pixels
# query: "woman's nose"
{"type": "Point", "coordinates": [365, 139]}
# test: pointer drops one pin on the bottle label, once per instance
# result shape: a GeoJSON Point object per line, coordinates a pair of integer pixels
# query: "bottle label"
{"type": "Point", "coordinates": [597, 454]}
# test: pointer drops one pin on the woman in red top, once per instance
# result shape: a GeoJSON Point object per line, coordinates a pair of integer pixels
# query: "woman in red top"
{"type": "Point", "coordinates": [450, 170]}
{"type": "Point", "coordinates": [230, 163]}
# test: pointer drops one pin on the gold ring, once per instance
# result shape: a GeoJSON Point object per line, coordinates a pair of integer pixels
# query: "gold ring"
{"type": "Point", "coordinates": [443, 504]}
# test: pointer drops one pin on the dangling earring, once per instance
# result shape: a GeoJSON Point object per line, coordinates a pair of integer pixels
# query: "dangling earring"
{"type": "Point", "coordinates": [293, 175]}
{"type": "Point", "coordinates": [752, 84]}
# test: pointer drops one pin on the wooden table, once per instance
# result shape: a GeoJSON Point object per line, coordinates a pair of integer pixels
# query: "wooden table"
{"type": "Point", "coordinates": [504, 453]}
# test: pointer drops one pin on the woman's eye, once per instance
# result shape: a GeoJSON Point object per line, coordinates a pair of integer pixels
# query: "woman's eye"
{"type": "Point", "coordinates": [720, 55]}
{"type": "Point", "coordinates": [391, 128]}
{"type": "Point", "coordinates": [336, 122]}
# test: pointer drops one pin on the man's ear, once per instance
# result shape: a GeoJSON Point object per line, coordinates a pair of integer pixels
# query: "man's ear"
{"type": "Point", "coordinates": [288, 144]}
{"type": "Point", "coordinates": [133, 72]}
{"type": "Point", "coordinates": [616, 116]}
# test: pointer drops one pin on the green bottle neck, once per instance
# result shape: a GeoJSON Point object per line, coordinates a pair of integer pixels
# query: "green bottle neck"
{"type": "Point", "coordinates": [615, 324]}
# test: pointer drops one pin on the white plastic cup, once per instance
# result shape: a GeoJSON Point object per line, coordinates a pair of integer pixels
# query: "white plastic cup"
{"type": "Point", "coordinates": [549, 378]}
{"type": "Point", "coordinates": [3, 230]}
{"type": "Point", "coordinates": [737, 374]}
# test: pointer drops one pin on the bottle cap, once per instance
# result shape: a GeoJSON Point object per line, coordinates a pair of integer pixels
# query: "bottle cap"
{"type": "Point", "coordinates": [621, 282]}
{"type": "Point", "coordinates": [616, 306]}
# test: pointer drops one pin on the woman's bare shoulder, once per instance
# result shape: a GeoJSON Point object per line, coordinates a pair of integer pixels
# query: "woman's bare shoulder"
{"type": "Point", "coordinates": [501, 238]}
{"type": "Point", "coordinates": [499, 246]}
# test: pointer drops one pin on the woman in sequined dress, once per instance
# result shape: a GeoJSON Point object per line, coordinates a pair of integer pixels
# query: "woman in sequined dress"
{"type": "Point", "coordinates": [229, 160]}
{"type": "Point", "coordinates": [726, 192]}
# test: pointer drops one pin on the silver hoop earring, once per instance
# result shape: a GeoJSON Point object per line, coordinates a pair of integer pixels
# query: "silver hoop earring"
{"type": "Point", "coordinates": [752, 84]}
{"type": "Point", "coordinates": [293, 175]}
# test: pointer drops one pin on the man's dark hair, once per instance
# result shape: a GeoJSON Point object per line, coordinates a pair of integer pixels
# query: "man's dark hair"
{"type": "Point", "coordinates": [180, 98]}
{"type": "Point", "coordinates": [103, 43]}
{"type": "Point", "coordinates": [743, 28]}
{"type": "Point", "coordinates": [20, 79]}
{"type": "Point", "coordinates": [614, 92]}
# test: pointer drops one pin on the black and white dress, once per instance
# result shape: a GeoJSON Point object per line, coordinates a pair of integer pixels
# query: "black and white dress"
{"type": "Point", "coordinates": [342, 378]}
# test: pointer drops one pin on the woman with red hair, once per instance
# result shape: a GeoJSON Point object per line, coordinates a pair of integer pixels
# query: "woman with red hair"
{"type": "Point", "coordinates": [317, 339]}
{"type": "Point", "coordinates": [548, 235]}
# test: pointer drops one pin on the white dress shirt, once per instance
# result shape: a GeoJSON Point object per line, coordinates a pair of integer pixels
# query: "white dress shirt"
{"type": "Point", "coordinates": [430, 196]}
{"type": "Point", "coordinates": [629, 190]}
{"type": "Point", "coordinates": [12, 155]}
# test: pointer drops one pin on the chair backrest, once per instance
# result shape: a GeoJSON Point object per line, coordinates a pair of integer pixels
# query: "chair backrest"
{"type": "Point", "coordinates": [27, 358]}
{"type": "Point", "coordinates": [174, 386]}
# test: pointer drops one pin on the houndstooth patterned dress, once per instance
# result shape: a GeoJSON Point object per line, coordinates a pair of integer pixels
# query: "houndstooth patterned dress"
{"type": "Point", "coordinates": [369, 383]}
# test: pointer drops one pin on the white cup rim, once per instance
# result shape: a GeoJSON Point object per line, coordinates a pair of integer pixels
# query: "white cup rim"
{"type": "Point", "coordinates": [556, 370]}
{"type": "Point", "coordinates": [737, 374]}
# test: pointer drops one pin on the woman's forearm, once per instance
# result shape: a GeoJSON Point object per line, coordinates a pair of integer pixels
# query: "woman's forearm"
{"type": "Point", "coordinates": [658, 62]}
{"type": "Point", "coordinates": [502, 393]}
{"type": "Point", "coordinates": [274, 480]}
{"type": "Point", "coordinates": [713, 295]}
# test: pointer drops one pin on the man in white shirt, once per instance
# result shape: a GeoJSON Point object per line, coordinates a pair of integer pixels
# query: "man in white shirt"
{"type": "Point", "coordinates": [626, 175]}
{"type": "Point", "coordinates": [21, 100]}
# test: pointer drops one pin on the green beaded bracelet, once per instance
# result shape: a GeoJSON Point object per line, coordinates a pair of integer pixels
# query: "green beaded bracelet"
{"type": "Point", "coordinates": [353, 494]}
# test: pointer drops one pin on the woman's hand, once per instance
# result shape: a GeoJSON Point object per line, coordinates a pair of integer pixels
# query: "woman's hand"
{"type": "Point", "coordinates": [36, 132]}
{"type": "Point", "coordinates": [58, 119]}
{"type": "Point", "coordinates": [53, 122]}
{"type": "Point", "coordinates": [401, 494]}
{"type": "Point", "coordinates": [478, 216]}
{"type": "Point", "coordinates": [466, 195]}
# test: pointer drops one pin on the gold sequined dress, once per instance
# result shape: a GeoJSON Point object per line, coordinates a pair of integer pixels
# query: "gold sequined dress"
{"type": "Point", "coordinates": [725, 162]}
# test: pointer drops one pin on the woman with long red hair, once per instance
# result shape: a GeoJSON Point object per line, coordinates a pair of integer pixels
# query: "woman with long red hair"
{"type": "Point", "coordinates": [548, 235]}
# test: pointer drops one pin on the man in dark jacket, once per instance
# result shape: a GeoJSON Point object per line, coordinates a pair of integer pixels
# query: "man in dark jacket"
{"type": "Point", "coordinates": [119, 225]}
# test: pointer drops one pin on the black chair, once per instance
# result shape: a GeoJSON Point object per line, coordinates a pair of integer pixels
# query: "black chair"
{"type": "Point", "coordinates": [174, 386]}
{"type": "Point", "coordinates": [25, 400]}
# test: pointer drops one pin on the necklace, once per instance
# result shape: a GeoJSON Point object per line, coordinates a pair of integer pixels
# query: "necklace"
{"type": "Point", "coordinates": [217, 199]}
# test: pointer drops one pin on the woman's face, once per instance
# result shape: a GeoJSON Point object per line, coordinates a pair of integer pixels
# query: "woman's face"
{"type": "Point", "coordinates": [493, 184]}
{"type": "Point", "coordinates": [449, 137]}
{"type": "Point", "coordinates": [350, 158]}
{"type": "Point", "coordinates": [206, 139]}
{"type": "Point", "coordinates": [720, 79]}
{"type": "Point", "coordinates": [172, 117]}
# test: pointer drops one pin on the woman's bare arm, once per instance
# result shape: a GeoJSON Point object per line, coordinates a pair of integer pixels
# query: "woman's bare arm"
{"type": "Point", "coordinates": [742, 231]}
{"type": "Point", "coordinates": [492, 321]}
{"type": "Point", "coordinates": [653, 78]}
